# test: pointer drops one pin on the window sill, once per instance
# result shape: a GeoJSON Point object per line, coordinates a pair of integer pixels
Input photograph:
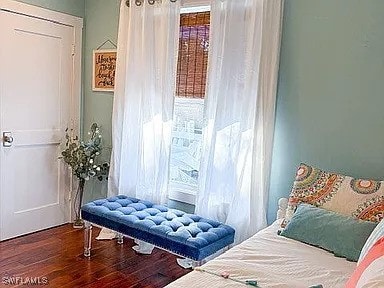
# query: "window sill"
{"type": "Point", "coordinates": [180, 195]}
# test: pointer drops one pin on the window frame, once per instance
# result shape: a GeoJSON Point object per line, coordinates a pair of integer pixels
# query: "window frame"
{"type": "Point", "coordinates": [184, 192]}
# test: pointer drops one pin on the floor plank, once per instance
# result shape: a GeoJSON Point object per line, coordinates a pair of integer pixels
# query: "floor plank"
{"type": "Point", "coordinates": [57, 255]}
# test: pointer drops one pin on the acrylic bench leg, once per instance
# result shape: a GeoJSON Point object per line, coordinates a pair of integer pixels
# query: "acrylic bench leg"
{"type": "Point", "coordinates": [120, 238]}
{"type": "Point", "coordinates": [143, 247]}
{"type": "Point", "coordinates": [187, 263]}
{"type": "Point", "coordinates": [87, 238]}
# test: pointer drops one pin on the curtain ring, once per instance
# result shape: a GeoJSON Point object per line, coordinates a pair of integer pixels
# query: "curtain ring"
{"type": "Point", "coordinates": [151, 2]}
{"type": "Point", "coordinates": [138, 2]}
{"type": "Point", "coordinates": [127, 3]}
{"type": "Point", "coordinates": [173, 1]}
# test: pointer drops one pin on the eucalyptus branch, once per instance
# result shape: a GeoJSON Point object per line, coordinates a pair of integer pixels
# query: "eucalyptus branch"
{"type": "Point", "coordinates": [82, 156]}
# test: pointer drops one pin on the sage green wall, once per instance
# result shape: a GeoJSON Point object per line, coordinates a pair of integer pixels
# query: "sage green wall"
{"type": "Point", "coordinates": [101, 24]}
{"type": "Point", "coordinates": [72, 7]}
{"type": "Point", "coordinates": [330, 92]}
{"type": "Point", "coordinates": [330, 99]}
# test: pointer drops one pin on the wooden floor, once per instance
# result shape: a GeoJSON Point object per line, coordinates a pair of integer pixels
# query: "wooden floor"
{"type": "Point", "coordinates": [57, 255]}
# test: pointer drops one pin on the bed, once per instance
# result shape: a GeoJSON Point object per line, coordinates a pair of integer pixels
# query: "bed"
{"type": "Point", "coordinates": [271, 260]}
{"type": "Point", "coordinates": [339, 213]}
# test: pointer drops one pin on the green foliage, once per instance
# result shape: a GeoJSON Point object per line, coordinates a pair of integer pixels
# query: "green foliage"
{"type": "Point", "coordinates": [81, 156]}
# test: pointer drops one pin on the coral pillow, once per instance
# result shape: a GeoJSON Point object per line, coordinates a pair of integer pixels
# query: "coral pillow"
{"type": "Point", "coordinates": [370, 271]}
{"type": "Point", "coordinates": [359, 198]}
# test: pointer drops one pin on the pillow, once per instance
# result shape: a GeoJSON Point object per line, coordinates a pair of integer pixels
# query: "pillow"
{"type": "Point", "coordinates": [370, 271]}
{"type": "Point", "coordinates": [375, 235]}
{"type": "Point", "coordinates": [342, 235]}
{"type": "Point", "coordinates": [358, 198]}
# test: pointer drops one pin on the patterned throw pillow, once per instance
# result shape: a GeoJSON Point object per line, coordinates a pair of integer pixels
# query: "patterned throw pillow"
{"type": "Point", "coordinates": [359, 198]}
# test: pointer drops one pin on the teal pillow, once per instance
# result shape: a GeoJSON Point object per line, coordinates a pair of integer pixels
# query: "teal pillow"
{"type": "Point", "coordinates": [344, 236]}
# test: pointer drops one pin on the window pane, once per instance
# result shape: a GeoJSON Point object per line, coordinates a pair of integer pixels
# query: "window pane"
{"type": "Point", "coordinates": [186, 141]}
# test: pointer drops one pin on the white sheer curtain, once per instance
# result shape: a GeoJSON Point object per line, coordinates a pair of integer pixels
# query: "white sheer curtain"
{"type": "Point", "coordinates": [240, 112]}
{"type": "Point", "coordinates": [144, 96]}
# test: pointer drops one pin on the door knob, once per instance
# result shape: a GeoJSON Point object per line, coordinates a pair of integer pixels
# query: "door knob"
{"type": "Point", "coordinates": [7, 139]}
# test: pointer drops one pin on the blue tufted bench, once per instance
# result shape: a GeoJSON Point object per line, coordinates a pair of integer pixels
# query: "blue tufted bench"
{"type": "Point", "coordinates": [187, 235]}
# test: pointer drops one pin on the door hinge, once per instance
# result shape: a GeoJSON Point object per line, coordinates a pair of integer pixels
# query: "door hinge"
{"type": "Point", "coordinates": [73, 49]}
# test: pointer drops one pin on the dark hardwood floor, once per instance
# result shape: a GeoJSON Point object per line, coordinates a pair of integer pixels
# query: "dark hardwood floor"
{"type": "Point", "coordinates": [56, 257]}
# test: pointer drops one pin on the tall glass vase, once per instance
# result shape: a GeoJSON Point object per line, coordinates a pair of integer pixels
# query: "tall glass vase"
{"type": "Point", "coordinates": [78, 222]}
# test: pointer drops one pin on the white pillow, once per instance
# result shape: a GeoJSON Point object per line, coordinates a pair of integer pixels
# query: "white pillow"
{"type": "Point", "coordinates": [376, 234]}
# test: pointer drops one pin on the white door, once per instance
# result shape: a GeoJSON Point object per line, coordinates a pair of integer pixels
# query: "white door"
{"type": "Point", "coordinates": [35, 93]}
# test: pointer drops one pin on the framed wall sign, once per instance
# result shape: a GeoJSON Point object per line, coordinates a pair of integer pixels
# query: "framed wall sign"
{"type": "Point", "coordinates": [104, 69]}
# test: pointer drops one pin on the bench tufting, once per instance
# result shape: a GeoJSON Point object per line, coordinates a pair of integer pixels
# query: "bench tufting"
{"type": "Point", "coordinates": [188, 235]}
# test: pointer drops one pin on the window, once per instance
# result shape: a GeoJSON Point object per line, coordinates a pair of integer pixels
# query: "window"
{"type": "Point", "coordinates": [189, 104]}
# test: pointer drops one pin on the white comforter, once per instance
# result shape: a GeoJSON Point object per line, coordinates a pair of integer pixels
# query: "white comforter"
{"type": "Point", "coordinates": [274, 261]}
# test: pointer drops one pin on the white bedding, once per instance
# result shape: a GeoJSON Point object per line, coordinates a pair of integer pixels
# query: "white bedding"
{"type": "Point", "coordinates": [274, 261]}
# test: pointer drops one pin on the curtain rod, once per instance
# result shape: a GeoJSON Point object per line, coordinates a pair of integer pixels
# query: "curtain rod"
{"type": "Point", "coordinates": [141, 2]}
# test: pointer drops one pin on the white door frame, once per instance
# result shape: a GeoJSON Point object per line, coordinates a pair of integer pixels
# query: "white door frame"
{"type": "Point", "coordinates": [77, 24]}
